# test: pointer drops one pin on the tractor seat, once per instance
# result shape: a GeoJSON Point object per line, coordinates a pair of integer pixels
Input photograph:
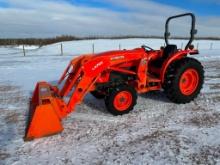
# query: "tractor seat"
{"type": "Point", "coordinates": [168, 51]}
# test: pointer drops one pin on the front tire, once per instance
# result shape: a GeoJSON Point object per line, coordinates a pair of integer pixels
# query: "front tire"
{"type": "Point", "coordinates": [121, 100]}
{"type": "Point", "coordinates": [184, 80]}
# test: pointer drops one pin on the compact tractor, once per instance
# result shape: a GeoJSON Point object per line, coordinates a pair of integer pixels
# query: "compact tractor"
{"type": "Point", "coordinates": [117, 77]}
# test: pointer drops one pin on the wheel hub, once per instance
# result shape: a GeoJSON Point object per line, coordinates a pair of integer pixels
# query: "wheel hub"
{"type": "Point", "coordinates": [123, 100]}
{"type": "Point", "coordinates": [189, 81]}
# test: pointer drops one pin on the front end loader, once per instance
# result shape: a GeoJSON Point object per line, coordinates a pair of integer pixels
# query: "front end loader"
{"type": "Point", "coordinates": [117, 77]}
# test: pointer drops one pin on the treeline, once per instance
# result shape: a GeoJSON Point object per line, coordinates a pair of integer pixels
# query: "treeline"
{"type": "Point", "coordinates": [47, 41]}
{"type": "Point", "coordinates": [36, 41]}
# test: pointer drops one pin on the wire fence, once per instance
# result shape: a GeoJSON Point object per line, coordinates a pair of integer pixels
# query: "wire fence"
{"type": "Point", "coordinates": [62, 49]}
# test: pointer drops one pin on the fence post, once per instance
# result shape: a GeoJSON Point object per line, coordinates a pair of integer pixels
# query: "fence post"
{"type": "Point", "coordinates": [24, 51]}
{"type": "Point", "coordinates": [93, 48]}
{"type": "Point", "coordinates": [119, 46]}
{"type": "Point", "coordinates": [211, 46]}
{"type": "Point", "coordinates": [181, 45]}
{"type": "Point", "coordinates": [197, 46]}
{"type": "Point", "coordinates": [61, 47]}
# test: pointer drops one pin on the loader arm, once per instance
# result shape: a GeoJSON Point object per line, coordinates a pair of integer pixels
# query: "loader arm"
{"type": "Point", "coordinates": [82, 74]}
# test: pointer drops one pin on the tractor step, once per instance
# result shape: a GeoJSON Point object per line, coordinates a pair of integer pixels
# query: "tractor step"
{"type": "Point", "coordinates": [153, 79]}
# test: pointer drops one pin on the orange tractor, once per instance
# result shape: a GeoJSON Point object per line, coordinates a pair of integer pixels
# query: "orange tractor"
{"type": "Point", "coordinates": [117, 77]}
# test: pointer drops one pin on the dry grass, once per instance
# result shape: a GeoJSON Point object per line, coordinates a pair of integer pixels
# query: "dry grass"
{"type": "Point", "coordinates": [213, 76]}
{"type": "Point", "coordinates": [169, 137]}
{"type": "Point", "coordinates": [200, 108]}
{"type": "Point", "coordinates": [3, 155]}
{"type": "Point", "coordinates": [216, 99]}
{"type": "Point", "coordinates": [206, 155]}
{"type": "Point", "coordinates": [11, 118]}
{"type": "Point", "coordinates": [11, 95]}
{"type": "Point", "coordinates": [7, 88]}
{"type": "Point", "coordinates": [214, 86]}
{"type": "Point", "coordinates": [12, 101]}
{"type": "Point", "coordinates": [205, 120]}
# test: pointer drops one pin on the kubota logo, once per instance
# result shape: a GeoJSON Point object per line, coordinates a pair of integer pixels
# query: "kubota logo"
{"type": "Point", "coordinates": [97, 65]}
{"type": "Point", "coordinates": [117, 58]}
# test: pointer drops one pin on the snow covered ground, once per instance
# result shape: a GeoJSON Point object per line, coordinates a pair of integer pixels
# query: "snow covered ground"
{"type": "Point", "coordinates": [156, 132]}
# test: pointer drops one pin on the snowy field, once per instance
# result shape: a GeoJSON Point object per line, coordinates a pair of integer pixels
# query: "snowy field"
{"type": "Point", "coordinates": [155, 132]}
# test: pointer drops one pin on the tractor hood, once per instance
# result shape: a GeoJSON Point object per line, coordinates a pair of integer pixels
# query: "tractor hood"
{"type": "Point", "coordinates": [119, 52]}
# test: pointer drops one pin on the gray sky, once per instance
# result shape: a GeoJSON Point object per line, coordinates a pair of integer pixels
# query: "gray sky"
{"type": "Point", "coordinates": [48, 18]}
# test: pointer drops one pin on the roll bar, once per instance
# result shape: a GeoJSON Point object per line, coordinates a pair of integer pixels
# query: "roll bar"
{"type": "Point", "coordinates": [192, 33]}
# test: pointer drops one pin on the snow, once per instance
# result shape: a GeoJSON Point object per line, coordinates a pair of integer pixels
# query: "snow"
{"type": "Point", "coordinates": [27, 47]}
{"type": "Point", "coordinates": [155, 132]}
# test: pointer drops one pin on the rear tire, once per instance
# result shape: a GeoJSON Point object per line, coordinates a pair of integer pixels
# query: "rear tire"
{"type": "Point", "coordinates": [184, 80]}
{"type": "Point", "coordinates": [121, 100]}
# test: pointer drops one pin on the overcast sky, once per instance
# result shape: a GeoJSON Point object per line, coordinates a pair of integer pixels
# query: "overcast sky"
{"type": "Point", "coordinates": [48, 18]}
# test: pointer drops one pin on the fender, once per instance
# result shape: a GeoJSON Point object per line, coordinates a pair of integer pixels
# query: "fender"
{"type": "Point", "coordinates": [171, 59]}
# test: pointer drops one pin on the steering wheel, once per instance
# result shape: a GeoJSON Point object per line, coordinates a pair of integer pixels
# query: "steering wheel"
{"type": "Point", "coordinates": [147, 48]}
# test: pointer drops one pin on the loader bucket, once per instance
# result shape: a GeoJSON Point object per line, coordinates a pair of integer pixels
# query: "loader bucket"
{"type": "Point", "coordinates": [45, 113]}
